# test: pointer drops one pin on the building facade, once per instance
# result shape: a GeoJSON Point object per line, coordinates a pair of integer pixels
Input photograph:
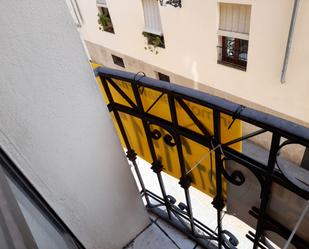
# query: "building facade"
{"type": "Point", "coordinates": [231, 48]}
{"type": "Point", "coordinates": [56, 129]}
{"type": "Point", "coordinates": [245, 51]}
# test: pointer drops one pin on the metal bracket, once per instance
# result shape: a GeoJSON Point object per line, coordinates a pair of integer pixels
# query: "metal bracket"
{"type": "Point", "coordinates": [131, 155]}
{"type": "Point", "coordinates": [185, 182]}
{"type": "Point", "coordinates": [157, 167]}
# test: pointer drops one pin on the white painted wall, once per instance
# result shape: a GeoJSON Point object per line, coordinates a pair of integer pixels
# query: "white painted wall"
{"type": "Point", "coordinates": [55, 126]}
{"type": "Point", "coordinates": [191, 38]}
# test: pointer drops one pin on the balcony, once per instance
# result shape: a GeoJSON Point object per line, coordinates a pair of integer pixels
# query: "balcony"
{"type": "Point", "coordinates": [190, 165]}
{"type": "Point", "coordinates": [207, 170]}
{"type": "Point", "coordinates": [204, 180]}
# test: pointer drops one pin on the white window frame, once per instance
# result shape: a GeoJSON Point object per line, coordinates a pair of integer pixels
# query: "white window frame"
{"type": "Point", "coordinates": [152, 23]}
{"type": "Point", "coordinates": [101, 4]}
{"type": "Point", "coordinates": [75, 12]}
{"type": "Point", "coordinates": [232, 33]}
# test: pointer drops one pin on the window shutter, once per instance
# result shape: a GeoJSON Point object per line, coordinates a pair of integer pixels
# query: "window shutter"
{"type": "Point", "coordinates": [152, 17]}
{"type": "Point", "coordinates": [101, 2]}
{"type": "Point", "coordinates": [235, 18]}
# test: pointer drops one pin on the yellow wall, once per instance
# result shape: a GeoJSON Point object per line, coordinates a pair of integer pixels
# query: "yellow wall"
{"type": "Point", "coordinates": [199, 161]}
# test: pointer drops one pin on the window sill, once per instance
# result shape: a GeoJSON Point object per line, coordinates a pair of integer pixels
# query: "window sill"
{"type": "Point", "coordinates": [235, 66]}
{"type": "Point", "coordinates": [151, 39]}
{"type": "Point", "coordinates": [109, 30]}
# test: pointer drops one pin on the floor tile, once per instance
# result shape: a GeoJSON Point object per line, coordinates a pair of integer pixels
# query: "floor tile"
{"type": "Point", "coordinates": [152, 238]}
{"type": "Point", "coordinates": [182, 240]}
{"type": "Point", "coordinates": [152, 216]}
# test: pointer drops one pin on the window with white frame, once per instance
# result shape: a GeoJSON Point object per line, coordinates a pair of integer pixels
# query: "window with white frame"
{"type": "Point", "coordinates": [104, 18]}
{"type": "Point", "coordinates": [102, 3]}
{"type": "Point", "coordinates": [234, 29]}
{"type": "Point", "coordinates": [153, 28]}
{"type": "Point", "coordinates": [75, 12]}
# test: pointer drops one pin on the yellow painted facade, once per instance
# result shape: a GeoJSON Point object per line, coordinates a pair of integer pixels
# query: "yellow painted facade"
{"type": "Point", "coordinates": [195, 155]}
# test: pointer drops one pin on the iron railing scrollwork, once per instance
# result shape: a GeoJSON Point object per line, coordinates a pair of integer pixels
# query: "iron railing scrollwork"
{"type": "Point", "coordinates": [181, 214]}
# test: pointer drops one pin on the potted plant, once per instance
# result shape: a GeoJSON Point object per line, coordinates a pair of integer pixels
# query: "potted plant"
{"type": "Point", "coordinates": [105, 22]}
{"type": "Point", "coordinates": [153, 42]}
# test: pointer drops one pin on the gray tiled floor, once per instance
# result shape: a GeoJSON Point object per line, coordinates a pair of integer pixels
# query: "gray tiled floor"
{"type": "Point", "coordinates": [160, 235]}
{"type": "Point", "coordinates": [201, 205]}
{"type": "Point", "coordinates": [202, 209]}
{"type": "Point", "coordinates": [178, 237]}
{"type": "Point", "coordinates": [167, 236]}
{"type": "Point", "coordinates": [152, 238]}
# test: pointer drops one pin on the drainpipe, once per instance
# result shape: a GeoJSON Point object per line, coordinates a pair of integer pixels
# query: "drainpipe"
{"type": "Point", "coordinates": [289, 42]}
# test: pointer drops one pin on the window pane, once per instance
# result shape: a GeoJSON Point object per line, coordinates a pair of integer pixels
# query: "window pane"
{"type": "Point", "coordinates": [234, 51]}
{"type": "Point", "coordinates": [235, 17]}
{"type": "Point", "coordinates": [105, 20]}
{"type": "Point", "coordinates": [243, 50]}
{"type": "Point", "coordinates": [44, 232]}
{"type": "Point", "coordinates": [152, 17]}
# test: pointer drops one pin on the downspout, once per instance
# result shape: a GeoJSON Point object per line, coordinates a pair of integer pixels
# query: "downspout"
{"type": "Point", "coordinates": [289, 42]}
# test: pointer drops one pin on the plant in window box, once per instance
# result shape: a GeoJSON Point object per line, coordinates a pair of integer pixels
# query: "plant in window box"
{"type": "Point", "coordinates": [153, 42]}
{"type": "Point", "coordinates": [105, 22]}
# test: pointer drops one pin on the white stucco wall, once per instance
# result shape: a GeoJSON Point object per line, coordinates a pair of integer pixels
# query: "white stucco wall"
{"type": "Point", "coordinates": [55, 126]}
{"type": "Point", "coordinates": [191, 39]}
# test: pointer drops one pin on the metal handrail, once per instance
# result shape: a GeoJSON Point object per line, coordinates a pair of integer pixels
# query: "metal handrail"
{"type": "Point", "coordinates": [266, 173]}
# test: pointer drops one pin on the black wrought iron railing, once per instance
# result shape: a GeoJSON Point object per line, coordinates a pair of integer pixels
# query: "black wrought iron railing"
{"type": "Point", "coordinates": [126, 95]}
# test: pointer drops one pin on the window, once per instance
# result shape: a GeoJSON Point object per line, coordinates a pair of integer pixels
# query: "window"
{"type": "Point", "coordinates": [75, 12]}
{"type": "Point", "coordinates": [105, 21]}
{"type": "Point", "coordinates": [153, 29]}
{"type": "Point", "coordinates": [163, 77]}
{"type": "Point", "coordinates": [235, 20]}
{"type": "Point", "coordinates": [152, 17]}
{"type": "Point", "coordinates": [101, 2]}
{"type": "Point", "coordinates": [118, 61]}
{"type": "Point", "coordinates": [25, 222]}
{"type": "Point", "coordinates": [234, 51]}
{"type": "Point", "coordinates": [234, 28]}
{"type": "Point", "coordinates": [154, 40]}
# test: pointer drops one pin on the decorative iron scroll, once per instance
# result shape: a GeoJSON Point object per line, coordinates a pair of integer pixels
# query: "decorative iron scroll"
{"type": "Point", "coordinates": [174, 3]}
{"type": "Point", "coordinates": [188, 134]}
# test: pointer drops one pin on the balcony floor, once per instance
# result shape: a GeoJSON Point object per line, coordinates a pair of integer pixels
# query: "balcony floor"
{"type": "Point", "coordinates": [154, 237]}
{"type": "Point", "coordinates": [160, 234]}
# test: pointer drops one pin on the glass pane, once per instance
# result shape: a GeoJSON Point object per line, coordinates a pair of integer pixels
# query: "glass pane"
{"type": "Point", "coordinates": [14, 232]}
{"type": "Point", "coordinates": [25, 218]}
{"type": "Point", "coordinates": [230, 47]}
{"type": "Point", "coordinates": [44, 232]}
{"type": "Point", "coordinates": [243, 50]}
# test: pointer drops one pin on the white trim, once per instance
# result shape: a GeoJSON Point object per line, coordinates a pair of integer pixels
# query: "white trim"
{"type": "Point", "coordinates": [101, 5]}
{"type": "Point", "coordinates": [235, 17]}
{"type": "Point", "coordinates": [241, 36]}
{"type": "Point", "coordinates": [248, 2]}
{"type": "Point", "coordinates": [75, 13]}
{"type": "Point", "coordinates": [101, 2]}
{"type": "Point", "coordinates": [152, 17]}
{"type": "Point", "coordinates": [155, 32]}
